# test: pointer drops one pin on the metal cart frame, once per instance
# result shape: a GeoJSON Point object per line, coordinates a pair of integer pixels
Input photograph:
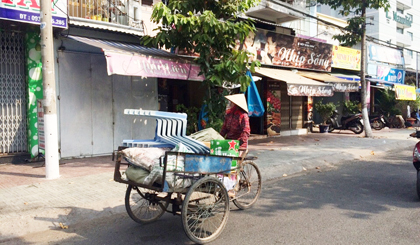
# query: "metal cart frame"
{"type": "Point", "coordinates": [203, 206]}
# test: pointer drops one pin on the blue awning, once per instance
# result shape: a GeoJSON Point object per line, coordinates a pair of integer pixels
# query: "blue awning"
{"type": "Point", "coordinates": [347, 77]}
{"type": "Point", "coordinates": [380, 81]}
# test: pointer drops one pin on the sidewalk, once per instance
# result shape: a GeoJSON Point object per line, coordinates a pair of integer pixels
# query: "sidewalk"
{"type": "Point", "coordinates": [86, 190]}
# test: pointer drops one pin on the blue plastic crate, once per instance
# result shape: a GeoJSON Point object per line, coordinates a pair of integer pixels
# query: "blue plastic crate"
{"type": "Point", "coordinates": [207, 164]}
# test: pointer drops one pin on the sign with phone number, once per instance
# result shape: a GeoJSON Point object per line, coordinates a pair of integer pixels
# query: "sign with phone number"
{"type": "Point", "coordinates": [29, 11]}
{"type": "Point", "coordinates": [24, 16]}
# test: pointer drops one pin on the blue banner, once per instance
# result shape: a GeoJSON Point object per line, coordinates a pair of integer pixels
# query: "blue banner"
{"type": "Point", "coordinates": [392, 75]}
{"type": "Point", "coordinates": [255, 105]}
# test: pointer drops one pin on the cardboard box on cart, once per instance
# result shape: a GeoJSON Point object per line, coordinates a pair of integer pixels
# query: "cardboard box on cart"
{"type": "Point", "coordinates": [226, 148]}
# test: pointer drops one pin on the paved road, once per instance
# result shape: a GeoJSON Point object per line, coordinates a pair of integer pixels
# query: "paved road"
{"type": "Point", "coordinates": [369, 201]}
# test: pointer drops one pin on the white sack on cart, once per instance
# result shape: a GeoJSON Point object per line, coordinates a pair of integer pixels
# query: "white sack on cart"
{"type": "Point", "coordinates": [148, 159]}
{"type": "Point", "coordinates": [173, 163]}
{"type": "Point", "coordinates": [144, 157]}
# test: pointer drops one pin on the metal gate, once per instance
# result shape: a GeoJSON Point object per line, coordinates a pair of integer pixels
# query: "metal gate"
{"type": "Point", "coordinates": [13, 133]}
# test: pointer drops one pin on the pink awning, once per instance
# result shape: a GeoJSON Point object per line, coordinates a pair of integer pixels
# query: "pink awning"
{"type": "Point", "coordinates": [135, 60]}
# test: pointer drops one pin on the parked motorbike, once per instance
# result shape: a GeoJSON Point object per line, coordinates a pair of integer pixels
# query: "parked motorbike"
{"type": "Point", "coordinates": [351, 122]}
{"type": "Point", "coordinates": [416, 160]}
{"type": "Point", "coordinates": [377, 122]}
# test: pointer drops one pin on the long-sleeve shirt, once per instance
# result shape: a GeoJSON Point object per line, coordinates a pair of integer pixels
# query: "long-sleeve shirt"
{"type": "Point", "coordinates": [236, 126]}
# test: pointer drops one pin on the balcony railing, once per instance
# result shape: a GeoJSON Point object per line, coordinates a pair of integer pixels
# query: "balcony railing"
{"type": "Point", "coordinates": [279, 11]}
{"type": "Point", "coordinates": [403, 40]}
{"type": "Point", "coordinates": [404, 4]}
{"type": "Point", "coordinates": [122, 12]}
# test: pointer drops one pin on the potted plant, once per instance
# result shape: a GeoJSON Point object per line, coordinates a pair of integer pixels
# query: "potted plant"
{"type": "Point", "coordinates": [350, 107]}
{"type": "Point", "coordinates": [325, 110]}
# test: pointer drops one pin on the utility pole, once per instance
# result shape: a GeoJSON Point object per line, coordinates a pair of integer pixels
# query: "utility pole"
{"type": "Point", "coordinates": [417, 70]}
{"type": "Point", "coordinates": [365, 115]}
{"type": "Point", "coordinates": [49, 100]}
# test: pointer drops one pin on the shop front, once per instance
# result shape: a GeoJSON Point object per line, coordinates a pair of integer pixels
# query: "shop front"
{"type": "Point", "coordinates": [21, 73]}
{"type": "Point", "coordinates": [284, 92]}
{"type": "Point", "coordinates": [96, 85]}
{"type": "Point", "coordinates": [385, 68]}
{"type": "Point", "coordinates": [341, 88]}
{"type": "Point", "coordinates": [287, 96]}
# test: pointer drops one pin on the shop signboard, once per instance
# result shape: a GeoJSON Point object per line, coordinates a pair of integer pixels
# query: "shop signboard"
{"type": "Point", "coordinates": [28, 11]}
{"type": "Point", "coordinates": [378, 53]}
{"type": "Point", "coordinates": [346, 58]}
{"type": "Point", "coordinates": [404, 20]}
{"type": "Point", "coordinates": [404, 92]}
{"type": "Point", "coordinates": [309, 90]}
{"type": "Point", "coordinates": [139, 65]}
{"type": "Point", "coordinates": [389, 74]}
{"type": "Point", "coordinates": [273, 108]}
{"type": "Point", "coordinates": [345, 87]}
{"type": "Point", "coordinates": [272, 48]}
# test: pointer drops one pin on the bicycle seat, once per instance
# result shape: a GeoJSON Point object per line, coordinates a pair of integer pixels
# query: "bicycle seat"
{"type": "Point", "coordinates": [250, 158]}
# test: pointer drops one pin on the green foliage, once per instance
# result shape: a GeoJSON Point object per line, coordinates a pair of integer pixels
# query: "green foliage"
{"type": "Point", "coordinates": [390, 106]}
{"type": "Point", "coordinates": [387, 103]}
{"type": "Point", "coordinates": [192, 117]}
{"type": "Point", "coordinates": [410, 80]}
{"type": "Point", "coordinates": [414, 104]}
{"type": "Point", "coordinates": [208, 28]}
{"type": "Point", "coordinates": [216, 107]}
{"type": "Point", "coordinates": [350, 107]}
{"type": "Point", "coordinates": [356, 23]}
{"type": "Point", "coordinates": [325, 110]}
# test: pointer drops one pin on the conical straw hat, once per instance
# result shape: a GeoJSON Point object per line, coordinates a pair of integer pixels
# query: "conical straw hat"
{"type": "Point", "coordinates": [239, 100]}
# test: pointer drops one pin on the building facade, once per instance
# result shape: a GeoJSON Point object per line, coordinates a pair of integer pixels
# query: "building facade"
{"type": "Point", "coordinates": [93, 40]}
{"type": "Point", "coordinates": [90, 100]}
{"type": "Point", "coordinates": [392, 47]}
{"type": "Point", "coordinates": [397, 28]}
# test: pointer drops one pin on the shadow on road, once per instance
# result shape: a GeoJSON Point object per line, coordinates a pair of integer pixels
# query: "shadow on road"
{"type": "Point", "coordinates": [353, 188]}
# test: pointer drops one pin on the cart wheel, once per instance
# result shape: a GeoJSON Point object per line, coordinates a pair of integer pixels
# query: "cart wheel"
{"type": "Point", "coordinates": [249, 188]}
{"type": "Point", "coordinates": [142, 204]}
{"type": "Point", "coordinates": [205, 210]}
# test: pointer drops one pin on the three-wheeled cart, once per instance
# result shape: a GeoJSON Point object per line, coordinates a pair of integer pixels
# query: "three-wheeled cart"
{"type": "Point", "coordinates": [196, 192]}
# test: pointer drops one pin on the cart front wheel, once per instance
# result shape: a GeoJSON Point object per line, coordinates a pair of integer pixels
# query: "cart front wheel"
{"type": "Point", "coordinates": [144, 205]}
{"type": "Point", "coordinates": [249, 187]}
{"type": "Point", "coordinates": [205, 210]}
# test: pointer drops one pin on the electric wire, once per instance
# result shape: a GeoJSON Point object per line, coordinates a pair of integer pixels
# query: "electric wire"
{"type": "Point", "coordinates": [371, 22]}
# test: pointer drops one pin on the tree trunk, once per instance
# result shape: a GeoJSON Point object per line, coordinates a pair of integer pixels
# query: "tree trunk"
{"type": "Point", "coordinates": [363, 92]}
